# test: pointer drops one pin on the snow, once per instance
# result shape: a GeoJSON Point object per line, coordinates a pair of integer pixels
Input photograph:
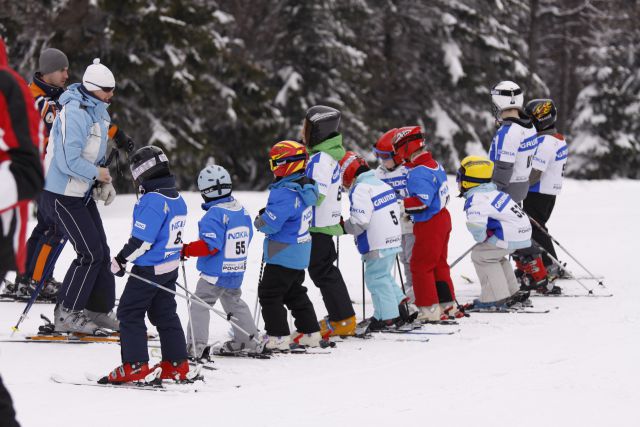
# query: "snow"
{"type": "Point", "coordinates": [292, 82]}
{"type": "Point", "coordinates": [576, 366]}
{"type": "Point", "coordinates": [170, 20]}
{"type": "Point", "coordinates": [452, 55]}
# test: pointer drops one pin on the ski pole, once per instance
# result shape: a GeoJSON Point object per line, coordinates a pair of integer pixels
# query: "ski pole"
{"type": "Point", "coordinates": [257, 308]}
{"type": "Point", "coordinates": [34, 295]}
{"type": "Point", "coordinates": [534, 222]}
{"type": "Point", "coordinates": [228, 317]}
{"type": "Point", "coordinates": [338, 252]}
{"type": "Point", "coordinates": [363, 302]}
{"type": "Point", "coordinates": [556, 262]}
{"type": "Point", "coordinates": [193, 336]}
{"type": "Point", "coordinates": [461, 257]}
{"type": "Point", "coordinates": [198, 301]}
{"type": "Point", "coordinates": [400, 274]}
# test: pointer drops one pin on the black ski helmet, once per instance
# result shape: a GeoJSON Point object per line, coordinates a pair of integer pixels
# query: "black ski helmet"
{"type": "Point", "coordinates": [320, 123]}
{"type": "Point", "coordinates": [147, 163]}
{"type": "Point", "coordinates": [543, 113]}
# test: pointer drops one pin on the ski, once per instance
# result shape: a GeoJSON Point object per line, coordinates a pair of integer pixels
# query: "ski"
{"type": "Point", "coordinates": [571, 295]}
{"type": "Point", "coordinates": [440, 322]}
{"type": "Point", "coordinates": [13, 298]}
{"type": "Point", "coordinates": [208, 365]}
{"type": "Point", "coordinates": [239, 354]}
{"type": "Point", "coordinates": [419, 332]}
{"type": "Point", "coordinates": [508, 310]}
{"type": "Point", "coordinates": [26, 340]}
{"type": "Point", "coordinates": [58, 379]}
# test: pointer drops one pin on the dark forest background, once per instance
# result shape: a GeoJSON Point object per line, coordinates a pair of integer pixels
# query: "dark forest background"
{"type": "Point", "coordinates": [224, 80]}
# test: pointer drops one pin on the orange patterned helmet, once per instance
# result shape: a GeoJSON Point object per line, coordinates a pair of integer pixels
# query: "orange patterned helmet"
{"type": "Point", "coordinates": [287, 157]}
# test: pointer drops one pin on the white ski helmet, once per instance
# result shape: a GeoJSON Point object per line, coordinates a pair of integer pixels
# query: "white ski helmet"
{"type": "Point", "coordinates": [506, 95]}
{"type": "Point", "coordinates": [98, 77]}
{"type": "Point", "coordinates": [214, 182]}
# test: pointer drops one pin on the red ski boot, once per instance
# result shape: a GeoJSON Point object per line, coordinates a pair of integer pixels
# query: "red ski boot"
{"type": "Point", "coordinates": [136, 372]}
{"type": "Point", "coordinates": [177, 370]}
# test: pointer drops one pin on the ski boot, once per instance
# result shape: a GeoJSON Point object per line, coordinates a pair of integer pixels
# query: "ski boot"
{"type": "Point", "coordinates": [136, 372]}
{"type": "Point", "coordinates": [432, 313]}
{"type": "Point", "coordinates": [76, 322]}
{"type": "Point", "coordinates": [277, 344]}
{"type": "Point", "coordinates": [104, 320]}
{"type": "Point", "coordinates": [408, 312]}
{"type": "Point", "coordinates": [11, 288]}
{"type": "Point", "coordinates": [497, 306]}
{"type": "Point", "coordinates": [313, 339]}
{"type": "Point", "coordinates": [178, 371]}
{"type": "Point", "coordinates": [202, 353]}
{"type": "Point", "coordinates": [49, 290]}
{"type": "Point", "coordinates": [343, 328]}
{"type": "Point", "coordinates": [25, 287]}
{"type": "Point", "coordinates": [532, 274]}
{"type": "Point", "coordinates": [452, 310]}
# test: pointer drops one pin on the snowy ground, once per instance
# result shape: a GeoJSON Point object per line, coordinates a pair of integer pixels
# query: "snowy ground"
{"type": "Point", "coordinates": [577, 365]}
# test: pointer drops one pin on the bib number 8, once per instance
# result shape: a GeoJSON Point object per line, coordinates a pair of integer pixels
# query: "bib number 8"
{"type": "Point", "coordinates": [176, 227]}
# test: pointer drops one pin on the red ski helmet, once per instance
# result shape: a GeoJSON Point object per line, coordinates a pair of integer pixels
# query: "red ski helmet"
{"type": "Point", "coordinates": [349, 166]}
{"type": "Point", "coordinates": [384, 147]}
{"type": "Point", "coordinates": [407, 141]}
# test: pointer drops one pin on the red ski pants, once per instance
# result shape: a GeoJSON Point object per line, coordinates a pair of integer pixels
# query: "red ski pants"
{"type": "Point", "coordinates": [429, 259]}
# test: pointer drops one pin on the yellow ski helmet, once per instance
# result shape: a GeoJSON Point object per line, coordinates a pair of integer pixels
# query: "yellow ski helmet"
{"type": "Point", "coordinates": [474, 170]}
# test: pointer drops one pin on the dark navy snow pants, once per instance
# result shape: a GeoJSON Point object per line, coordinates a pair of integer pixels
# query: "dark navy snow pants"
{"type": "Point", "coordinates": [140, 298]}
{"type": "Point", "coordinates": [88, 283]}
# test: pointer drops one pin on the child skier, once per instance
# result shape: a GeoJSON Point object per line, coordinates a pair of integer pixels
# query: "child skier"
{"type": "Point", "coordinates": [154, 249]}
{"type": "Point", "coordinates": [375, 223]}
{"type": "Point", "coordinates": [393, 172]}
{"type": "Point", "coordinates": [324, 142]}
{"type": "Point", "coordinates": [225, 232]}
{"type": "Point", "coordinates": [498, 225]}
{"type": "Point", "coordinates": [428, 196]}
{"type": "Point", "coordinates": [287, 247]}
{"type": "Point", "coordinates": [545, 184]}
{"type": "Point", "coordinates": [514, 143]}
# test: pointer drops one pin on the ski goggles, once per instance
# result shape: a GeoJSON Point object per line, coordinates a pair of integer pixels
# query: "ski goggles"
{"type": "Point", "coordinates": [103, 88]}
{"type": "Point", "coordinates": [506, 92]}
{"type": "Point", "coordinates": [275, 163]}
{"type": "Point", "coordinates": [383, 155]}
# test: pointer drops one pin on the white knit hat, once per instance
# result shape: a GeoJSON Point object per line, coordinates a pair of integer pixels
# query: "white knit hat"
{"type": "Point", "coordinates": [97, 75]}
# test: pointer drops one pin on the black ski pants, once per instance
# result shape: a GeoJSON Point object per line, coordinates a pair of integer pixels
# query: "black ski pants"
{"type": "Point", "coordinates": [282, 286]}
{"type": "Point", "coordinates": [140, 298]}
{"type": "Point", "coordinates": [327, 277]}
{"type": "Point", "coordinates": [539, 207]}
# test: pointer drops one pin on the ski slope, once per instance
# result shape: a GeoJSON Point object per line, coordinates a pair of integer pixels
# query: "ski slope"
{"type": "Point", "coordinates": [576, 366]}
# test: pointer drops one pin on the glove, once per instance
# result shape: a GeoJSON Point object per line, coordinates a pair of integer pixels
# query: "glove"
{"type": "Point", "coordinates": [183, 252]}
{"type": "Point", "coordinates": [117, 266]}
{"type": "Point", "coordinates": [261, 211]}
{"type": "Point", "coordinates": [342, 225]}
{"type": "Point", "coordinates": [104, 192]}
{"type": "Point", "coordinates": [123, 142]}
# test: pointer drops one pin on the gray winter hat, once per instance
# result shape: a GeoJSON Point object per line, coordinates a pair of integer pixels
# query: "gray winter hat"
{"type": "Point", "coordinates": [52, 60]}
